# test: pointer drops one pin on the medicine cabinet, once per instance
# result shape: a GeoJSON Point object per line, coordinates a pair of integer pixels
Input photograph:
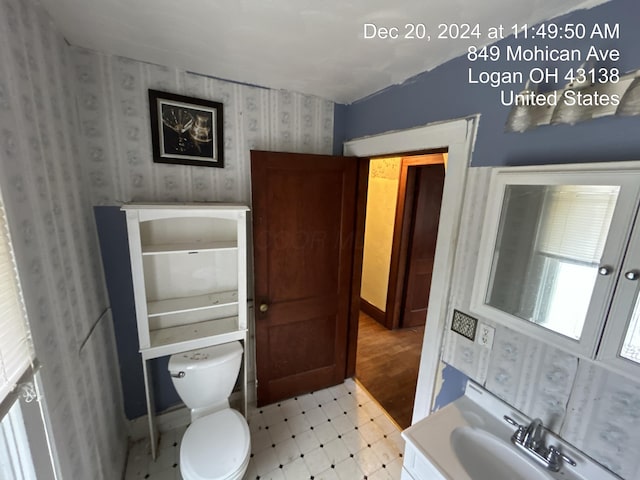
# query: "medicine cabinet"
{"type": "Point", "coordinates": [559, 258]}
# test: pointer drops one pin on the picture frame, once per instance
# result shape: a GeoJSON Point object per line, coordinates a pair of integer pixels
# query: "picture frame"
{"type": "Point", "coordinates": [186, 130]}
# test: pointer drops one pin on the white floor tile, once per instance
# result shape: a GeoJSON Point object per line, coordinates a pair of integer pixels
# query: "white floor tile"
{"type": "Point", "coordinates": [373, 409]}
{"type": "Point", "coordinates": [358, 416]}
{"type": "Point", "coordinates": [395, 468]}
{"type": "Point", "coordinates": [287, 451]}
{"type": "Point", "coordinates": [382, 474]}
{"type": "Point", "coordinates": [332, 409]}
{"type": "Point", "coordinates": [265, 461]}
{"type": "Point", "coordinates": [298, 424]}
{"type": "Point", "coordinates": [315, 416]}
{"type": "Point", "coordinates": [354, 441]}
{"type": "Point", "coordinates": [342, 424]}
{"type": "Point", "coordinates": [317, 460]}
{"type": "Point", "coordinates": [307, 402]}
{"type": "Point", "coordinates": [307, 441]}
{"type": "Point", "coordinates": [339, 390]}
{"type": "Point", "coordinates": [368, 461]}
{"type": "Point", "coordinates": [336, 450]}
{"type": "Point", "coordinates": [323, 396]}
{"type": "Point", "coordinates": [276, 474]}
{"type": "Point", "coordinates": [290, 408]}
{"type": "Point", "coordinates": [279, 432]}
{"type": "Point", "coordinates": [386, 450]}
{"type": "Point", "coordinates": [348, 470]}
{"type": "Point", "coordinates": [348, 402]}
{"type": "Point", "coordinates": [386, 425]}
{"type": "Point", "coordinates": [370, 432]}
{"type": "Point", "coordinates": [296, 470]}
{"type": "Point", "coordinates": [329, 474]}
{"type": "Point", "coordinates": [260, 440]}
{"type": "Point", "coordinates": [325, 432]}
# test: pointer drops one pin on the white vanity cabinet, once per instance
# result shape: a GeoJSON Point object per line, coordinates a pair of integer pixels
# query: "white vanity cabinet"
{"type": "Point", "coordinates": [189, 269]}
{"type": "Point", "coordinates": [415, 466]}
{"type": "Point", "coordinates": [559, 258]}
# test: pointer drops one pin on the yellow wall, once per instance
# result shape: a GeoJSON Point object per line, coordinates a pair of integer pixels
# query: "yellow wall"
{"type": "Point", "coordinates": [384, 176]}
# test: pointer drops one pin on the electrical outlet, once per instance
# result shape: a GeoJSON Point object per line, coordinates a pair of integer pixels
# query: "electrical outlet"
{"type": "Point", "coordinates": [485, 335]}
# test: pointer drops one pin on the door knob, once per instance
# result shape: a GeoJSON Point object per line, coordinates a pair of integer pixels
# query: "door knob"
{"type": "Point", "coordinates": [605, 270]}
{"type": "Point", "coordinates": [264, 307]}
{"type": "Point", "coordinates": [632, 275]}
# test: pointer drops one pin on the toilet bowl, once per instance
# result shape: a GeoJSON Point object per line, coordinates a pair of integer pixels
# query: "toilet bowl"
{"type": "Point", "coordinates": [217, 444]}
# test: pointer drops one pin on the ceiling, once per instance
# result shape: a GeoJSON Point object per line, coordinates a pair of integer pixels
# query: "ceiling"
{"type": "Point", "coordinates": [313, 47]}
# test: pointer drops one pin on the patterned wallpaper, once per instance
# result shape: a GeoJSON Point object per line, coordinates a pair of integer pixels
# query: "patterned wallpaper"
{"type": "Point", "coordinates": [114, 116]}
{"type": "Point", "coordinates": [43, 180]}
{"type": "Point", "coordinates": [113, 108]}
{"type": "Point", "coordinates": [592, 408]}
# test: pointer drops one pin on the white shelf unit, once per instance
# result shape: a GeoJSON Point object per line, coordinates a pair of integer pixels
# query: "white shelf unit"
{"type": "Point", "coordinates": [189, 268]}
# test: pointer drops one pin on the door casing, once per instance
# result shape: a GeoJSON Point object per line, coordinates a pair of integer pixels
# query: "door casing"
{"type": "Point", "coordinates": [458, 137]}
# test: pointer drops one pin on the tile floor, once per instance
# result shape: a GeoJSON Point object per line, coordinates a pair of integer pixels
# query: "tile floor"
{"type": "Point", "coordinates": [337, 433]}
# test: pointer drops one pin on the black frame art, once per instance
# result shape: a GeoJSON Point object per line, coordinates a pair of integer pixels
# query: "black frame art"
{"type": "Point", "coordinates": [185, 130]}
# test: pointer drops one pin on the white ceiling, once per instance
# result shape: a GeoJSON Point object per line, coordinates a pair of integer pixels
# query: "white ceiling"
{"type": "Point", "coordinates": [310, 46]}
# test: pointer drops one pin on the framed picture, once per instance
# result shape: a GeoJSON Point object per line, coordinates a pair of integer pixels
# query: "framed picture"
{"type": "Point", "coordinates": [186, 130]}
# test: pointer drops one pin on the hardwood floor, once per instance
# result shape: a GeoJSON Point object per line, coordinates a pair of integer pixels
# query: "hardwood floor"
{"type": "Point", "coordinates": [387, 366]}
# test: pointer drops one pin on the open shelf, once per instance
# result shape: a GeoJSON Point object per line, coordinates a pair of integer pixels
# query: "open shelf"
{"type": "Point", "coordinates": [189, 272]}
{"type": "Point", "coordinates": [167, 341]}
{"type": "Point", "coordinates": [191, 304]}
{"type": "Point", "coordinates": [188, 247]}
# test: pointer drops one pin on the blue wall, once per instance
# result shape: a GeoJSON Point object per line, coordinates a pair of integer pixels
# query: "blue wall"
{"type": "Point", "coordinates": [444, 93]}
{"type": "Point", "coordinates": [454, 383]}
{"type": "Point", "coordinates": [114, 247]}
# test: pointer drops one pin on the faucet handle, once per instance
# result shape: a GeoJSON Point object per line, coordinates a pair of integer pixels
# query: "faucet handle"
{"type": "Point", "coordinates": [511, 421]}
{"type": "Point", "coordinates": [555, 456]}
{"type": "Point", "coordinates": [518, 435]}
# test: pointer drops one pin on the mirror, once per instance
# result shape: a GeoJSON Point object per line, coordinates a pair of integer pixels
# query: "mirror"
{"type": "Point", "coordinates": [631, 346]}
{"type": "Point", "coordinates": [547, 253]}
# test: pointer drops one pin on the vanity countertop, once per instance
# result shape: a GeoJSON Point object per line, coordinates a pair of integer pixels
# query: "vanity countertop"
{"type": "Point", "coordinates": [479, 409]}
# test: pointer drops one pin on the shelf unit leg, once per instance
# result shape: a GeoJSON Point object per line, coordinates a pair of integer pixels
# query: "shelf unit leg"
{"type": "Point", "coordinates": [244, 381]}
{"type": "Point", "coordinates": [151, 408]}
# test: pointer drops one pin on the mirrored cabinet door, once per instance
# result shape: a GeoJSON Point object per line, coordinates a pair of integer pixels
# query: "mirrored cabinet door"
{"type": "Point", "coordinates": [621, 344]}
{"type": "Point", "coordinates": [551, 251]}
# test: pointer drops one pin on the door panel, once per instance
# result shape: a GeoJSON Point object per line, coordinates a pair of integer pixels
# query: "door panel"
{"type": "Point", "coordinates": [422, 247]}
{"type": "Point", "coordinates": [304, 210]}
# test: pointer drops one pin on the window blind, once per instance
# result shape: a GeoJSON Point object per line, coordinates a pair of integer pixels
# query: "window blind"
{"type": "Point", "coordinates": [576, 220]}
{"type": "Point", "coordinates": [16, 351]}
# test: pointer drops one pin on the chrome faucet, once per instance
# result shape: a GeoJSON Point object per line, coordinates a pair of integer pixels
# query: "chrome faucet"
{"type": "Point", "coordinates": [533, 434]}
{"type": "Point", "coordinates": [530, 438]}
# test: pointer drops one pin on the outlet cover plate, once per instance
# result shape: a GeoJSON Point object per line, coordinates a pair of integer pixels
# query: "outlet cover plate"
{"type": "Point", "coordinates": [485, 335]}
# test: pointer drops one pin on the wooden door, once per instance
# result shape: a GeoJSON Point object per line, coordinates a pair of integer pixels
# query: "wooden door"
{"type": "Point", "coordinates": [422, 244]}
{"type": "Point", "coordinates": [304, 221]}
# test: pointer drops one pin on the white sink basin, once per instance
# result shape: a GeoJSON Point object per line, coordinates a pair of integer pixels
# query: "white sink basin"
{"type": "Point", "coordinates": [485, 456]}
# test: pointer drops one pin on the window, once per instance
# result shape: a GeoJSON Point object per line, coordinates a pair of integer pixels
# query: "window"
{"type": "Point", "coordinates": [16, 365]}
{"type": "Point", "coordinates": [574, 230]}
{"type": "Point", "coordinates": [16, 351]}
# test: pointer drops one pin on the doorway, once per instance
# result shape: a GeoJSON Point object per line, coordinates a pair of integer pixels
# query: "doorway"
{"type": "Point", "coordinates": [457, 136]}
{"type": "Point", "coordinates": [402, 215]}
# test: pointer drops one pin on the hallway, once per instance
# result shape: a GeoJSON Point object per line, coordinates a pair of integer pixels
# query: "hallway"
{"type": "Point", "coordinates": [387, 366]}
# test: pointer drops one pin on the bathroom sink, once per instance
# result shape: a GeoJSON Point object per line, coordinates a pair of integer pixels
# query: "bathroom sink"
{"type": "Point", "coordinates": [485, 456]}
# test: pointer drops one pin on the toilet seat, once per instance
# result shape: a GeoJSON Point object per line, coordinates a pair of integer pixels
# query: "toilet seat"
{"type": "Point", "coordinates": [215, 447]}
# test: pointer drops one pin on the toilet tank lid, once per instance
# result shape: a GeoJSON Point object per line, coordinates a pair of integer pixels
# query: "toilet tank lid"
{"type": "Point", "coordinates": [204, 357]}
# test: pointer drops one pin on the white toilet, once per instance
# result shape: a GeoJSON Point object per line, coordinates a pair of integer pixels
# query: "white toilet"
{"type": "Point", "coordinates": [216, 446]}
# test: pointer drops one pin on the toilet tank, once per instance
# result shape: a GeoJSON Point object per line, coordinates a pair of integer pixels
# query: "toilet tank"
{"type": "Point", "coordinates": [209, 374]}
